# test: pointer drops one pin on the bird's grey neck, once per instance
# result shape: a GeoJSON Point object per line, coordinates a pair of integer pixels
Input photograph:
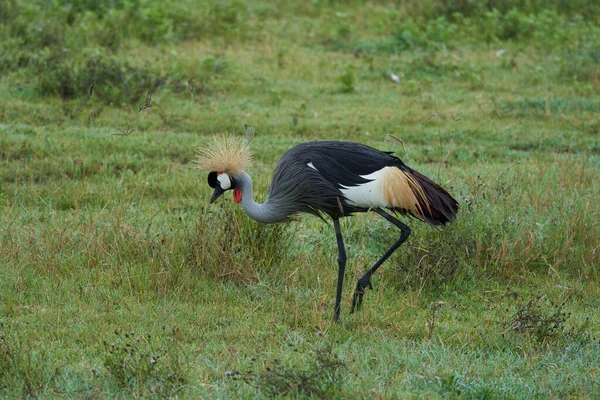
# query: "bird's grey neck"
{"type": "Point", "coordinates": [260, 212]}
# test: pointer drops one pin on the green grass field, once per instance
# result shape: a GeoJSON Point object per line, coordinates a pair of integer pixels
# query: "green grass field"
{"type": "Point", "coordinates": [118, 279]}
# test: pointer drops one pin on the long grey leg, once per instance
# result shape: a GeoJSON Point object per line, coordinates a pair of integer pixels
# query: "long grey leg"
{"type": "Point", "coordinates": [341, 268]}
{"type": "Point", "coordinates": [364, 281]}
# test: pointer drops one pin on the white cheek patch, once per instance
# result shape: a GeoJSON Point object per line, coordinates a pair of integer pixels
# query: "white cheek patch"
{"type": "Point", "coordinates": [224, 181]}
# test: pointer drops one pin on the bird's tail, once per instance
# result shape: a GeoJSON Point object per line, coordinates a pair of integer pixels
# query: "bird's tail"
{"type": "Point", "coordinates": [436, 206]}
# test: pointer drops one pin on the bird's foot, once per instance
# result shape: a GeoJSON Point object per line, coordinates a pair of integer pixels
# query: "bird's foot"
{"type": "Point", "coordinates": [361, 288]}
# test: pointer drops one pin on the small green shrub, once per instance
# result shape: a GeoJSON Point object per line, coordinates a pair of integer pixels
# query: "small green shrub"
{"type": "Point", "coordinates": [276, 97]}
{"type": "Point", "coordinates": [347, 80]}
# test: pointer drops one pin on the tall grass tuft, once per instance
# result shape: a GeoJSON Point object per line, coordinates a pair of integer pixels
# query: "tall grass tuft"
{"type": "Point", "coordinates": [538, 218]}
{"type": "Point", "coordinates": [23, 369]}
{"type": "Point", "coordinates": [225, 244]}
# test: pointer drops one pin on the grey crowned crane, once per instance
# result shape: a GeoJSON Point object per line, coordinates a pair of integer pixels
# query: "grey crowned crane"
{"type": "Point", "coordinates": [335, 179]}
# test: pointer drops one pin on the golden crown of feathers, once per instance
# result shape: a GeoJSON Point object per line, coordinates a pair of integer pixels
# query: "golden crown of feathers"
{"type": "Point", "coordinates": [225, 153]}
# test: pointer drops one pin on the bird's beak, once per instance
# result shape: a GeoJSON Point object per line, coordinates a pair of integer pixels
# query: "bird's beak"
{"type": "Point", "coordinates": [216, 194]}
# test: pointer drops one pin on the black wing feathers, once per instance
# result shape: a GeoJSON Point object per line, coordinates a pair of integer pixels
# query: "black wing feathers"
{"type": "Point", "coordinates": [343, 163]}
{"type": "Point", "coordinates": [298, 187]}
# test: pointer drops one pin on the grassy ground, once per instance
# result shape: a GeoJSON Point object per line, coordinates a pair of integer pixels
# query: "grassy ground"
{"type": "Point", "coordinates": [119, 280]}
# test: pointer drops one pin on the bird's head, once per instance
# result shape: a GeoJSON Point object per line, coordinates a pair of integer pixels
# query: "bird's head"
{"type": "Point", "coordinates": [222, 182]}
{"type": "Point", "coordinates": [224, 157]}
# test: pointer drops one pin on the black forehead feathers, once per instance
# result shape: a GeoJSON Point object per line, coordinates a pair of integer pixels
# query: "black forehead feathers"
{"type": "Point", "coordinates": [212, 179]}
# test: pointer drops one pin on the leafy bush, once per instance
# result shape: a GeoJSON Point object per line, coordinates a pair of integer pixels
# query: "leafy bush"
{"type": "Point", "coordinates": [581, 60]}
{"type": "Point", "coordinates": [115, 80]}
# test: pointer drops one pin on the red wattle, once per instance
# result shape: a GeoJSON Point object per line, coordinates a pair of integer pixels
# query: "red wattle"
{"type": "Point", "coordinates": [237, 195]}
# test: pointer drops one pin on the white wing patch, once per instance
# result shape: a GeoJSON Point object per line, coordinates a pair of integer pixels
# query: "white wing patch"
{"type": "Point", "coordinates": [368, 194]}
{"type": "Point", "coordinates": [390, 187]}
{"type": "Point", "coordinates": [310, 164]}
